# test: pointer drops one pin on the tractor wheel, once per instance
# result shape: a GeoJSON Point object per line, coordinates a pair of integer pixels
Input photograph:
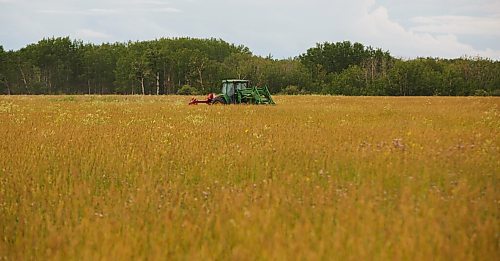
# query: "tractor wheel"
{"type": "Point", "coordinates": [219, 100]}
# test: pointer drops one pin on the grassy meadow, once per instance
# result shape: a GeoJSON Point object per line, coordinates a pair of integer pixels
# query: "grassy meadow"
{"type": "Point", "coordinates": [314, 177]}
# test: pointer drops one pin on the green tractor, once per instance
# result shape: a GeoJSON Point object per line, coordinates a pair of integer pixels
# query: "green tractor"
{"type": "Point", "coordinates": [238, 92]}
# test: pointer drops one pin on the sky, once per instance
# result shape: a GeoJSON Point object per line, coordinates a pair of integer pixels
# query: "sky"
{"type": "Point", "coordinates": [282, 28]}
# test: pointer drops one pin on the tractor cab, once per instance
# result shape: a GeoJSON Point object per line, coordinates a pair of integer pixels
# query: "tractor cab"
{"type": "Point", "coordinates": [231, 87]}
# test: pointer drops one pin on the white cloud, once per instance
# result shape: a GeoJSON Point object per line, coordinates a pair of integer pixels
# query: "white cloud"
{"type": "Point", "coordinates": [89, 34]}
{"type": "Point", "coordinates": [92, 11]}
{"type": "Point", "coordinates": [151, 2]}
{"type": "Point", "coordinates": [102, 11]}
{"type": "Point", "coordinates": [376, 28]}
{"type": "Point", "coordinates": [111, 7]}
{"type": "Point", "coordinates": [457, 25]}
{"type": "Point", "coordinates": [166, 10]}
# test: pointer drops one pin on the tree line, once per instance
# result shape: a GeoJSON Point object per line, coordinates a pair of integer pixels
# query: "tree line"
{"type": "Point", "coordinates": [190, 66]}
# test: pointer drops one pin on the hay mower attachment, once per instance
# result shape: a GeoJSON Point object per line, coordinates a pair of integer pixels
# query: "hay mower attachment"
{"type": "Point", "coordinates": [209, 100]}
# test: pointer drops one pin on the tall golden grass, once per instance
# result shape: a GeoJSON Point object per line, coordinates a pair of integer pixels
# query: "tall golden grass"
{"type": "Point", "coordinates": [347, 178]}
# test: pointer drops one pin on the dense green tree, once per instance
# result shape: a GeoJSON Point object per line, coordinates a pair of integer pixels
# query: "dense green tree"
{"type": "Point", "coordinates": [3, 77]}
{"type": "Point", "coordinates": [350, 81]}
{"type": "Point", "coordinates": [98, 67]}
{"type": "Point", "coordinates": [163, 66]}
{"type": "Point", "coordinates": [416, 77]}
{"type": "Point", "coordinates": [328, 58]}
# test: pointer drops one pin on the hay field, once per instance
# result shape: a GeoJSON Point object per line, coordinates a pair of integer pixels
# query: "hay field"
{"type": "Point", "coordinates": [345, 178]}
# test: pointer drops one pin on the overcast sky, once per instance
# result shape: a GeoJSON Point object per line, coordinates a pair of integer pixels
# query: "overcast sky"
{"type": "Point", "coordinates": [283, 28]}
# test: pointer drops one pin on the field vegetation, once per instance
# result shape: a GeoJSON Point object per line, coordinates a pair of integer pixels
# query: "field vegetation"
{"type": "Point", "coordinates": [314, 177]}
